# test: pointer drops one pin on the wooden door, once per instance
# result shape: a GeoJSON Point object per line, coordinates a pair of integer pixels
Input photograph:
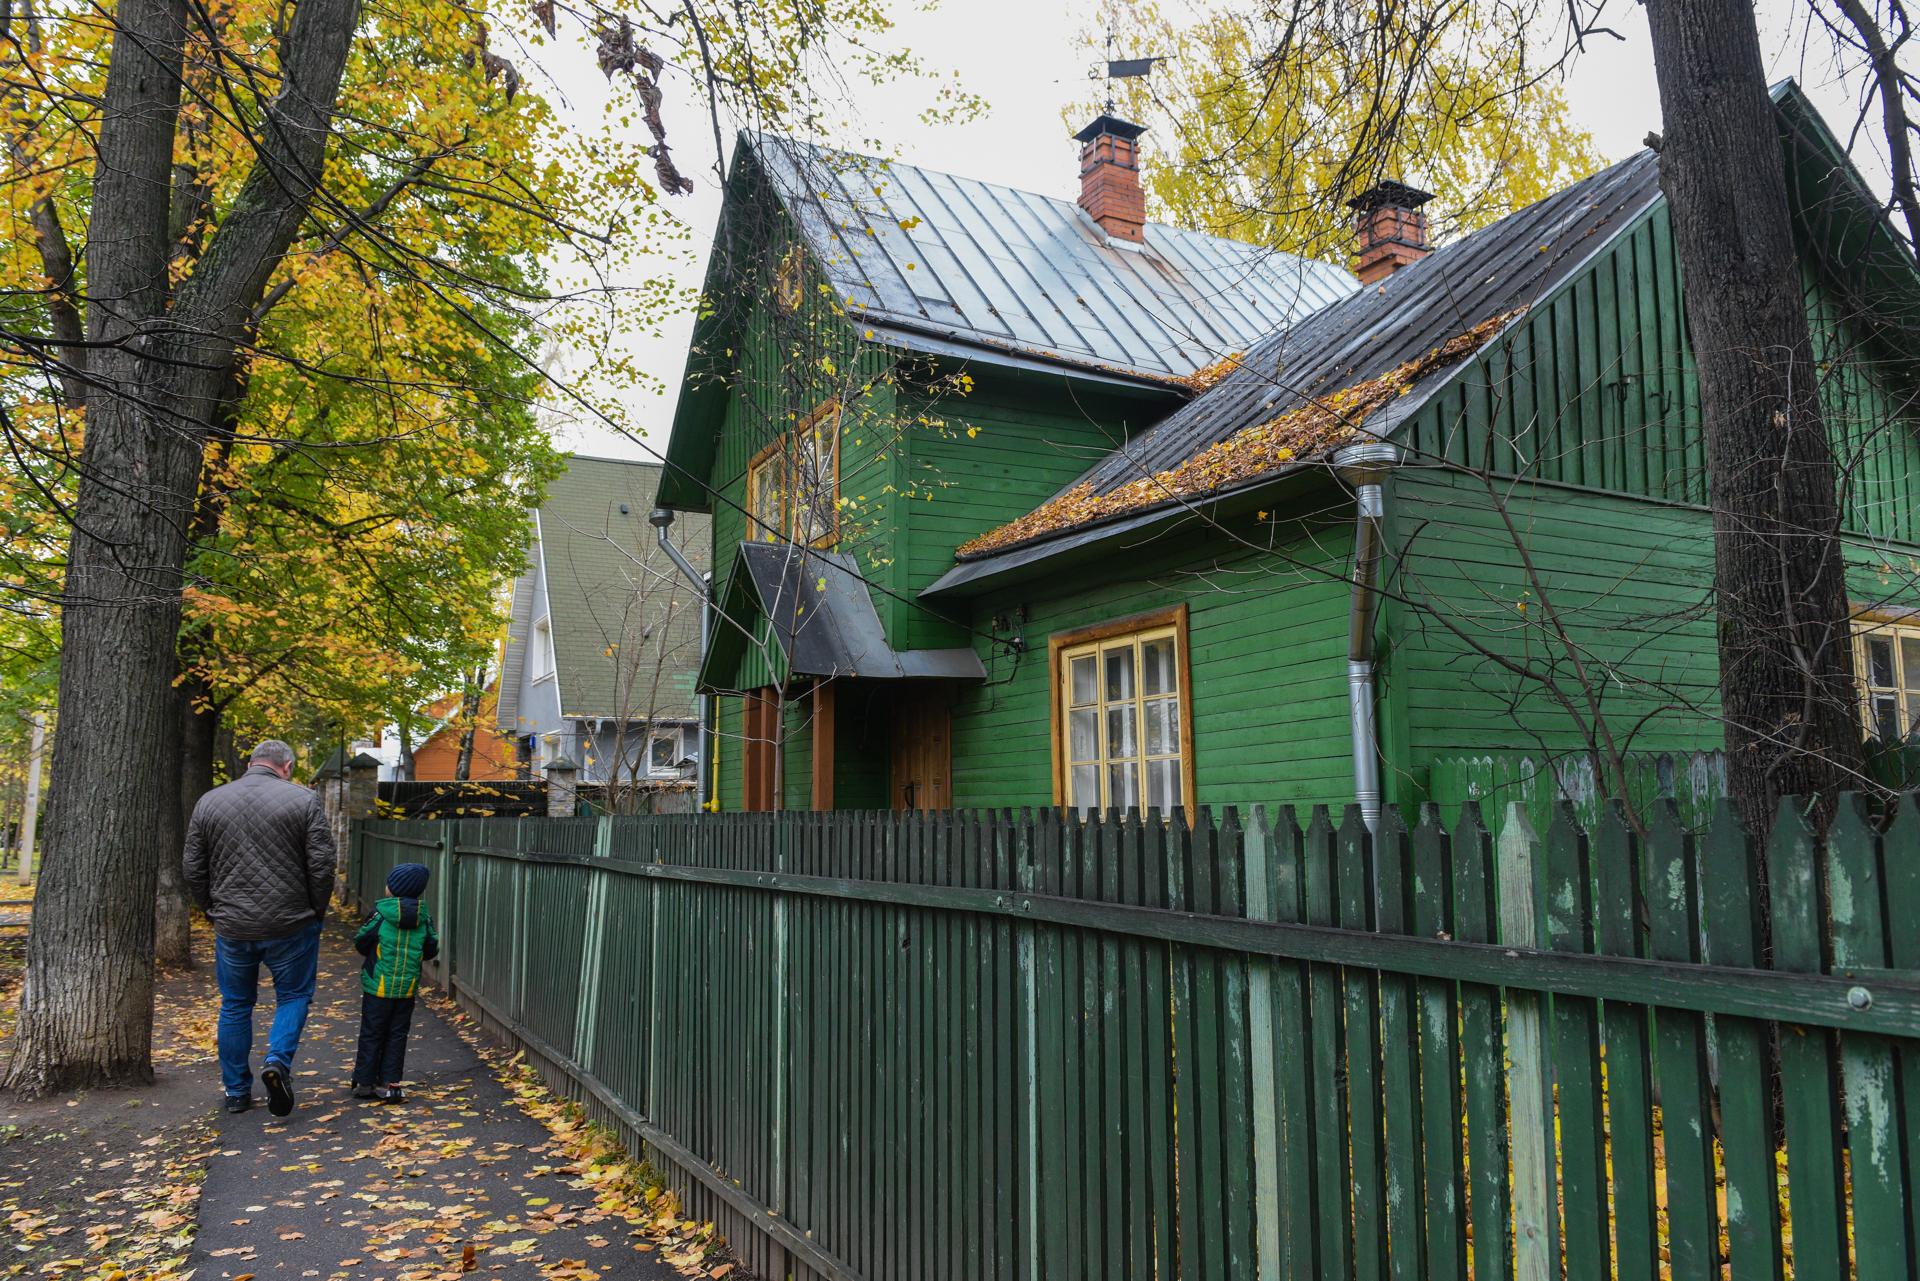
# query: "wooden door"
{"type": "Point", "coordinates": [922, 750]}
{"type": "Point", "coordinates": [759, 740]}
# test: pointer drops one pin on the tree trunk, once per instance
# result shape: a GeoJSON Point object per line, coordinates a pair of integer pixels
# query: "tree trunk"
{"type": "Point", "coordinates": [172, 926]}
{"type": "Point", "coordinates": [1786, 655]}
{"type": "Point", "coordinates": [469, 714]}
{"type": "Point", "coordinates": [403, 766]}
{"type": "Point", "coordinates": [158, 364]}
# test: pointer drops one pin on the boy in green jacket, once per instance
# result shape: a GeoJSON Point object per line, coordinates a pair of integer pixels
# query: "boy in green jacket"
{"type": "Point", "coordinates": [395, 940]}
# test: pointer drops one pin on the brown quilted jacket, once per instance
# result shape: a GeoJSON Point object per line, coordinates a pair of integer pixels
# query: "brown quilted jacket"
{"type": "Point", "coordinates": [259, 856]}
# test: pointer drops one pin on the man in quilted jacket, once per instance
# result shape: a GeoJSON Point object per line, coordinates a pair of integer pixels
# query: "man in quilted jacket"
{"type": "Point", "coordinates": [259, 862]}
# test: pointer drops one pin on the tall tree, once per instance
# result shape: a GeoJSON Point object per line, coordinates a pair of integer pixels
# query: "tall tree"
{"type": "Point", "coordinates": [1786, 658]}
{"type": "Point", "coordinates": [1270, 115]}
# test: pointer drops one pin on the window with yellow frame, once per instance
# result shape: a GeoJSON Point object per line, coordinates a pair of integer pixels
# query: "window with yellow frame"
{"type": "Point", "coordinates": [1122, 720]}
{"type": "Point", "coordinates": [790, 281]}
{"type": "Point", "coordinates": [1887, 657]}
{"type": "Point", "coordinates": [793, 485]}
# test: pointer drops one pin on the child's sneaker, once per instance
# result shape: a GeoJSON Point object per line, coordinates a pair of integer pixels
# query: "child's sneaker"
{"type": "Point", "coordinates": [364, 1092]}
{"type": "Point", "coordinates": [391, 1094]}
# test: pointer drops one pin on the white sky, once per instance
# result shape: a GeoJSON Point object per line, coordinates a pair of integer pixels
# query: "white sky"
{"type": "Point", "coordinates": [1022, 57]}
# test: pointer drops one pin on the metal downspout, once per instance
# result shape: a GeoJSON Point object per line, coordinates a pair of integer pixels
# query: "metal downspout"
{"type": "Point", "coordinates": [661, 518]}
{"type": "Point", "coordinates": [1365, 467]}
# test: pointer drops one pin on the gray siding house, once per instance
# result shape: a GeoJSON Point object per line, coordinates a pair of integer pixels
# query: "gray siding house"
{"type": "Point", "coordinates": [604, 638]}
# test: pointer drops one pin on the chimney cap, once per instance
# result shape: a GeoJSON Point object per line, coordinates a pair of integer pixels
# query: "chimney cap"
{"type": "Point", "coordinates": [1106, 122]}
{"type": "Point", "coordinates": [1389, 192]}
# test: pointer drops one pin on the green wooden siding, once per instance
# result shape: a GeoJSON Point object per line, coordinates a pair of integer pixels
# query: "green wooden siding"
{"type": "Point", "coordinates": [1267, 652]}
{"type": "Point", "coordinates": [977, 461]}
{"type": "Point", "coordinates": [1631, 581]}
{"type": "Point", "coordinates": [1596, 387]}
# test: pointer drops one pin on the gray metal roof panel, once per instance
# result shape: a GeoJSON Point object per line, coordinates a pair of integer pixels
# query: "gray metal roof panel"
{"type": "Point", "coordinates": [1024, 270]}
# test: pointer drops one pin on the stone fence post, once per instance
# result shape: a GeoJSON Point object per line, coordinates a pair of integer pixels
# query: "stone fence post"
{"type": "Point", "coordinates": [563, 788]}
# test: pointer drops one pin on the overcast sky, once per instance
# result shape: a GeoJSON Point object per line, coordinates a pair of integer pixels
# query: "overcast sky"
{"type": "Point", "coordinates": [1022, 57]}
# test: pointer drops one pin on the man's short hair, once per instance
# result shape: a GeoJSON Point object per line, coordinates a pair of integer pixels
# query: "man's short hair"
{"type": "Point", "coordinates": [273, 752]}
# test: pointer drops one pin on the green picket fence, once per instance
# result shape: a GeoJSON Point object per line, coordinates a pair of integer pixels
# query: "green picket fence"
{"type": "Point", "coordinates": [1027, 1046]}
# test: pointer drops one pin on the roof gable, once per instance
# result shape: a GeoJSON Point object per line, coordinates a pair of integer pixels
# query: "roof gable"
{"type": "Point", "coordinates": [617, 608]}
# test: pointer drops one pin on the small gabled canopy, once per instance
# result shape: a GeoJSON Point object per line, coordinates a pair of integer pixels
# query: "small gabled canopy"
{"type": "Point", "coordinates": [812, 610]}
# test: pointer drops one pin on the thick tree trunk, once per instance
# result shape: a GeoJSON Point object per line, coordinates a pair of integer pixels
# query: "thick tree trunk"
{"type": "Point", "coordinates": [86, 1005]}
{"type": "Point", "coordinates": [1786, 657]}
{"type": "Point", "coordinates": [156, 375]}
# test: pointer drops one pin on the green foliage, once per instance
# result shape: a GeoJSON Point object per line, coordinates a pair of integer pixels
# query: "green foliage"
{"type": "Point", "coordinates": [1269, 116]}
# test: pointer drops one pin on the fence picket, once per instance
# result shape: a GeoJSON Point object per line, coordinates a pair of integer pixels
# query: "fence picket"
{"type": "Point", "coordinates": [1536, 1221]}
{"type": "Point", "coordinates": [1439, 1059]}
{"type": "Point", "coordinates": [1482, 1054]}
{"type": "Point", "coordinates": [1576, 1057]}
{"type": "Point", "coordinates": [1732, 926]}
{"type": "Point", "coordinates": [1868, 1071]}
{"type": "Point", "coordinates": [1615, 853]}
{"type": "Point", "coordinates": [1693, 1228]}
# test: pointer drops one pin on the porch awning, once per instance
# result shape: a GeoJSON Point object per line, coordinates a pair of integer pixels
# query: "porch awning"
{"type": "Point", "coordinates": [791, 611]}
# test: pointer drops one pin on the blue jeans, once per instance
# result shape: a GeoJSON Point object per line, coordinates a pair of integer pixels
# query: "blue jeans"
{"type": "Point", "coordinates": [294, 962]}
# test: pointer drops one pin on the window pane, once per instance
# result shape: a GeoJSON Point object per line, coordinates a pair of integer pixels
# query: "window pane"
{"type": "Point", "coordinates": [1880, 661]}
{"type": "Point", "coordinates": [1886, 717]}
{"type": "Point", "coordinates": [1086, 688]}
{"type": "Point", "coordinates": [1120, 732]}
{"type": "Point", "coordinates": [1083, 788]}
{"type": "Point", "coordinates": [1163, 783]}
{"type": "Point", "coordinates": [666, 751]}
{"type": "Point", "coordinates": [1163, 725]}
{"type": "Point", "coordinates": [1120, 673]}
{"type": "Point", "coordinates": [1156, 666]}
{"type": "Point", "coordinates": [1083, 735]}
{"type": "Point", "coordinates": [1910, 661]}
{"type": "Point", "coordinates": [1123, 785]}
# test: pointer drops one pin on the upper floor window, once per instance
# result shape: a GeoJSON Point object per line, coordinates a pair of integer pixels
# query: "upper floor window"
{"type": "Point", "coordinates": [790, 281]}
{"type": "Point", "coordinates": [1887, 656]}
{"type": "Point", "coordinates": [540, 650]}
{"type": "Point", "coordinates": [1122, 725]}
{"type": "Point", "coordinates": [793, 485]}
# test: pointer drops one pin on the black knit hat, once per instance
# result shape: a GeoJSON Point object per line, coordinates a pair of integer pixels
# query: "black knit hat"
{"type": "Point", "coordinates": [408, 880]}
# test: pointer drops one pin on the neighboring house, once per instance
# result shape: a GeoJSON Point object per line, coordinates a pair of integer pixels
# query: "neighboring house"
{"type": "Point", "coordinates": [1214, 527]}
{"type": "Point", "coordinates": [604, 637]}
{"type": "Point", "coordinates": [436, 758]}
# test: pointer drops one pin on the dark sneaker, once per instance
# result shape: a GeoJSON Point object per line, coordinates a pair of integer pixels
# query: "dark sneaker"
{"type": "Point", "coordinates": [239, 1102]}
{"type": "Point", "coordinates": [279, 1089]}
{"type": "Point", "coordinates": [364, 1092]}
{"type": "Point", "coordinates": [392, 1094]}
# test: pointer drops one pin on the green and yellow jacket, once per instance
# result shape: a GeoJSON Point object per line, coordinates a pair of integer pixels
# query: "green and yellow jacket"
{"type": "Point", "coordinates": [395, 940]}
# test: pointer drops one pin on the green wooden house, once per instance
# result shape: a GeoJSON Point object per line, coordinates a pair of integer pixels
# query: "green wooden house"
{"type": "Point", "coordinates": [1023, 502]}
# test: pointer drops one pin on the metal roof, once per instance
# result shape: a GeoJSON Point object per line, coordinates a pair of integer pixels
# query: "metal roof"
{"type": "Point", "coordinates": [823, 619]}
{"type": "Point", "coordinates": [1512, 263]}
{"type": "Point", "coordinates": [942, 256]}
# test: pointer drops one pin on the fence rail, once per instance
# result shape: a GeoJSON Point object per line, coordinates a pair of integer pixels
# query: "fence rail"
{"type": "Point", "coordinates": [1030, 1046]}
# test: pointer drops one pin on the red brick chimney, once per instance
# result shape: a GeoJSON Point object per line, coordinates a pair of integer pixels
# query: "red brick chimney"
{"type": "Point", "coordinates": [1390, 228]}
{"type": "Point", "coordinates": [1110, 176]}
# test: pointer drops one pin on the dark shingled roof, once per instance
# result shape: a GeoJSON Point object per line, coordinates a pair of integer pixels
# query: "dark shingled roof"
{"type": "Point", "coordinates": [1503, 267]}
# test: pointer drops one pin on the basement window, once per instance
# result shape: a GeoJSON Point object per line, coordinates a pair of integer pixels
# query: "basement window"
{"type": "Point", "coordinates": [1122, 724]}
{"type": "Point", "coordinates": [1887, 658]}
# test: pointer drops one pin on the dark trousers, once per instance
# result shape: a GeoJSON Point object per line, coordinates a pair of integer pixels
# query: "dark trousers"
{"type": "Point", "coordinates": [382, 1057]}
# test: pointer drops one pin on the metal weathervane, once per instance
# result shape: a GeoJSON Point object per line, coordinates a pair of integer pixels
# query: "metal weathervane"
{"type": "Point", "coordinates": [1124, 68]}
